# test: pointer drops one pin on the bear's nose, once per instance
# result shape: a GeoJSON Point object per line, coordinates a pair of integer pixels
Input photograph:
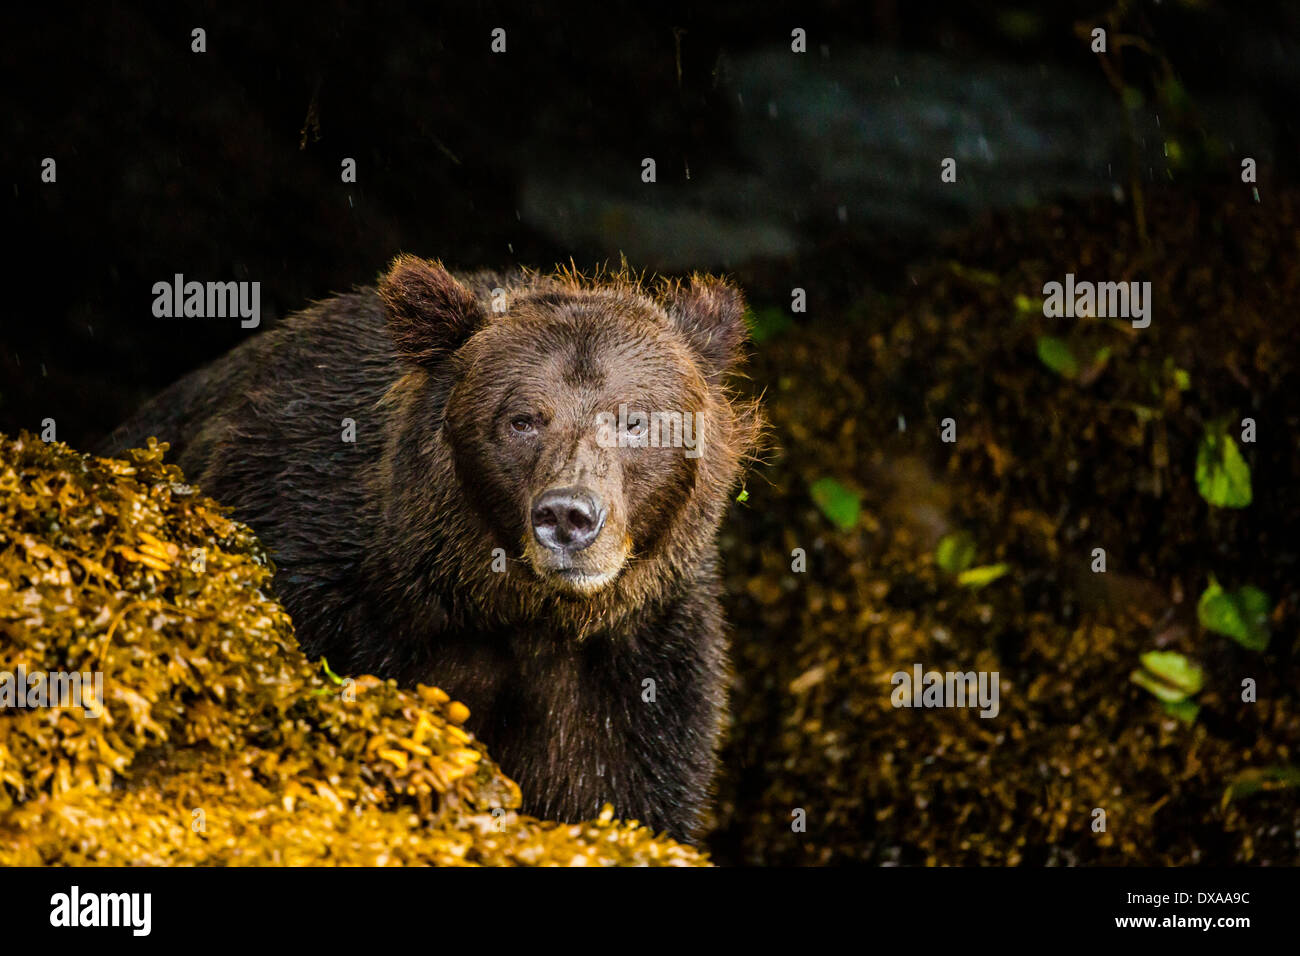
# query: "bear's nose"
{"type": "Point", "coordinates": [567, 519]}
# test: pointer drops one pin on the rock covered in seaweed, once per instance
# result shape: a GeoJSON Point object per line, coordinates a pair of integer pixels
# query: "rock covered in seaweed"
{"type": "Point", "coordinates": [216, 741]}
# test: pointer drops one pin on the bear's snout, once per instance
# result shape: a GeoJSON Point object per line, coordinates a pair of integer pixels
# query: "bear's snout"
{"type": "Point", "coordinates": [567, 519]}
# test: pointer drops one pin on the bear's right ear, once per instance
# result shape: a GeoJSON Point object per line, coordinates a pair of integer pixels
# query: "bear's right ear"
{"type": "Point", "coordinates": [430, 314]}
{"type": "Point", "coordinates": [711, 313]}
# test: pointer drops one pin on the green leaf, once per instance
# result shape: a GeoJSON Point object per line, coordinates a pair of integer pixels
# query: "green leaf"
{"type": "Point", "coordinates": [1222, 475]}
{"type": "Point", "coordinates": [956, 552]}
{"type": "Point", "coordinates": [1148, 682]}
{"type": "Point", "coordinates": [1172, 93]}
{"type": "Point", "coordinates": [1056, 354]}
{"type": "Point", "coordinates": [1184, 710]}
{"type": "Point", "coordinates": [767, 322]}
{"type": "Point", "coordinates": [1175, 670]}
{"type": "Point", "coordinates": [1182, 379]}
{"type": "Point", "coordinates": [329, 673]}
{"type": "Point", "coordinates": [1262, 778]}
{"type": "Point", "coordinates": [743, 496]}
{"type": "Point", "coordinates": [1025, 305]}
{"type": "Point", "coordinates": [1168, 675]}
{"type": "Point", "coordinates": [836, 502]}
{"type": "Point", "coordinates": [971, 274]}
{"type": "Point", "coordinates": [1241, 615]}
{"type": "Point", "coordinates": [984, 574]}
{"type": "Point", "coordinates": [1094, 369]}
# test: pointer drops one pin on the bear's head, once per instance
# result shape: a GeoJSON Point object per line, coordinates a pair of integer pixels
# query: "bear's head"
{"type": "Point", "coordinates": [593, 441]}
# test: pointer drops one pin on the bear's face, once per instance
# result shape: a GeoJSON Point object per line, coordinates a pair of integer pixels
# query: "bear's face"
{"type": "Point", "coordinates": [581, 415]}
{"type": "Point", "coordinates": [587, 423]}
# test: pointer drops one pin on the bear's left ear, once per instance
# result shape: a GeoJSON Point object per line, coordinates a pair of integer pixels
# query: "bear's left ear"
{"type": "Point", "coordinates": [711, 313]}
{"type": "Point", "coordinates": [430, 314]}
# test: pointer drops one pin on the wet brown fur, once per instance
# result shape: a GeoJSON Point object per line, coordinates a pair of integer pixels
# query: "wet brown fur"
{"type": "Point", "coordinates": [385, 547]}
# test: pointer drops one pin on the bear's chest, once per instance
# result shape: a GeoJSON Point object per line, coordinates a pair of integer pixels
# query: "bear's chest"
{"type": "Point", "coordinates": [571, 721]}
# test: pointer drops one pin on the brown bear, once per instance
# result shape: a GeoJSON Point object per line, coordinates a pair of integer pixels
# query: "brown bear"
{"type": "Point", "coordinates": [507, 486]}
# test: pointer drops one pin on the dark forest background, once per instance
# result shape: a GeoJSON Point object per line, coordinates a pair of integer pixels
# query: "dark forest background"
{"type": "Point", "coordinates": [822, 167]}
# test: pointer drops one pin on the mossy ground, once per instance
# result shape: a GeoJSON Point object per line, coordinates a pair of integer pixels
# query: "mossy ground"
{"type": "Point", "coordinates": [1044, 470]}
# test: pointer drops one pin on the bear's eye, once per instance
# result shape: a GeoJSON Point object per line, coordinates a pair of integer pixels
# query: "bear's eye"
{"type": "Point", "coordinates": [636, 427]}
{"type": "Point", "coordinates": [523, 424]}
